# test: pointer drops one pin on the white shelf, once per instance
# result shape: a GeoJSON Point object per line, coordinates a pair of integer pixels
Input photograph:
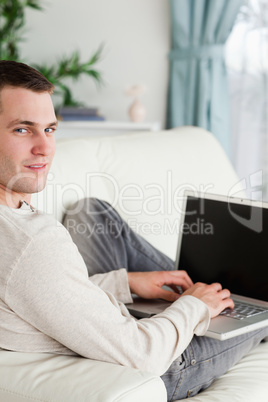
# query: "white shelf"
{"type": "Point", "coordinates": [69, 129]}
{"type": "Point", "coordinates": [110, 125]}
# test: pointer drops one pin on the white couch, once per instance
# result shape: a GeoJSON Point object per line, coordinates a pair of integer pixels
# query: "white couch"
{"type": "Point", "coordinates": [143, 175]}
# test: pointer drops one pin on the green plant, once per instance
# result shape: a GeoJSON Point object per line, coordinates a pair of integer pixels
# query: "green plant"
{"type": "Point", "coordinates": [12, 21]}
{"type": "Point", "coordinates": [12, 24]}
{"type": "Point", "coordinates": [70, 67]}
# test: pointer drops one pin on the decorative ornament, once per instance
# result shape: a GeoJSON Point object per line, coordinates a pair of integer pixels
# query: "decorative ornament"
{"type": "Point", "coordinates": [137, 111]}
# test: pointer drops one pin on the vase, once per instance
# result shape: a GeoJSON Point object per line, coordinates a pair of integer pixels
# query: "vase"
{"type": "Point", "coordinates": [137, 111]}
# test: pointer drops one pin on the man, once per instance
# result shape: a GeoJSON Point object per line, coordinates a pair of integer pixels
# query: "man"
{"type": "Point", "coordinates": [47, 301]}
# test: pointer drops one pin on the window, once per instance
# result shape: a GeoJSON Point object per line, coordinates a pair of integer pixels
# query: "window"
{"type": "Point", "coordinates": [246, 55]}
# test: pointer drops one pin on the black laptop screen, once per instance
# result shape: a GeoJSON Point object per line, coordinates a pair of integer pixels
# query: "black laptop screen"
{"type": "Point", "coordinates": [228, 243]}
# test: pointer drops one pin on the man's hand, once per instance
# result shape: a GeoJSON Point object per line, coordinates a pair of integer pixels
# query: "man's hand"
{"type": "Point", "coordinates": [149, 284]}
{"type": "Point", "coordinates": [216, 298]}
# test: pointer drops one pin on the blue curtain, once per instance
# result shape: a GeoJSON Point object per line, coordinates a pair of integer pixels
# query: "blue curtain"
{"type": "Point", "coordinates": [198, 89]}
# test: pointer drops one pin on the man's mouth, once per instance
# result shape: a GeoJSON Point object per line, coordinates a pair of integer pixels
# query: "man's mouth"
{"type": "Point", "coordinates": [37, 167]}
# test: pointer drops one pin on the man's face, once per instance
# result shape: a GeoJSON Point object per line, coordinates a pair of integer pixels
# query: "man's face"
{"type": "Point", "coordinates": [27, 143]}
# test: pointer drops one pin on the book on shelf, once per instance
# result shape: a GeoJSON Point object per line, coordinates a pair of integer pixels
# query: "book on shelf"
{"type": "Point", "coordinates": [81, 118]}
{"type": "Point", "coordinates": [69, 113]}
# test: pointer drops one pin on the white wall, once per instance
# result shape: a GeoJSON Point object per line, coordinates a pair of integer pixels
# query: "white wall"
{"type": "Point", "coordinates": [136, 34]}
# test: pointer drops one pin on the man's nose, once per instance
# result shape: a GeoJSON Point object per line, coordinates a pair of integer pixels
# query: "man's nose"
{"type": "Point", "coordinates": [43, 144]}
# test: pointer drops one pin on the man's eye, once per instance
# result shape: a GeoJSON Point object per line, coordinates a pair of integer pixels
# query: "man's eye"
{"type": "Point", "coordinates": [49, 130]}
{"type": "Point", "coordinates": [21, 130]}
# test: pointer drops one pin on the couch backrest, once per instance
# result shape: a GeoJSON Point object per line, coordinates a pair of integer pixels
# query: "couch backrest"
{"type": "Point", "coordinates": [142, 175]}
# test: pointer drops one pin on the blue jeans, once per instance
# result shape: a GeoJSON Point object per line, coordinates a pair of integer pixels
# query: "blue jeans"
{"type": "Point", "coordinates": [107, 243]}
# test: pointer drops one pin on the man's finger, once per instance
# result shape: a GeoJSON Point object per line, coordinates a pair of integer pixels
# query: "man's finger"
{"type": "Point", "coordinates": [217, 286]}
{"type": "Point", "coordinates": [178, 280]}
{"type": "Point", "coordinates": [176, 289]}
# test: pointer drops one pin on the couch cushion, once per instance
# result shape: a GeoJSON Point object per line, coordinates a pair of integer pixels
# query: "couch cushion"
{"type": "Point", "coordinates": [247, 381]}
{"type": "Point", "coordinates": [142, 175]}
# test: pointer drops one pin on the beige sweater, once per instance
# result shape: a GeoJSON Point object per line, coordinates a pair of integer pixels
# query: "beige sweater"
{"type": "Point", "coordinates": [48, 303]}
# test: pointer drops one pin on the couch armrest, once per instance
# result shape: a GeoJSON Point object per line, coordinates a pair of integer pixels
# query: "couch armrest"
{"type": "Point", "coordinates": [48, 377]}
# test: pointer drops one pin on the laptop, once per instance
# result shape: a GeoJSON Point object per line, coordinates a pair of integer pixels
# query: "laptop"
{"type": "Point", "coordinates": [223, 239]}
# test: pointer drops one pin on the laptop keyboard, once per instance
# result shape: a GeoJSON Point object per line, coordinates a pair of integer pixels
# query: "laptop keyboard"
{"type": "Point", "coordinates": [243, 310]}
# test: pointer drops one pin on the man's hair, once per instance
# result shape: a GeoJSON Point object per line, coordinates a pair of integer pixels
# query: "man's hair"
{"type": "Point", "coordinates": [21, 75]}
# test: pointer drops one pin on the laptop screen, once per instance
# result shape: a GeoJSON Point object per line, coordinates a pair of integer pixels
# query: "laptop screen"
{"type": "Point", "coordinates": [226, 242]}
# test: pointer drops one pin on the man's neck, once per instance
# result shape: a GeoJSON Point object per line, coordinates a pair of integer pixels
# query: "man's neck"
{"type": "Point", "coordinates": [12, 199]}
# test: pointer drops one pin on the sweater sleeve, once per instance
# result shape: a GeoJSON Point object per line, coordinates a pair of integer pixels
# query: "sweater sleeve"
{"type": "Point", "coordinates": [115, 282]}
{"type": "Point", "coordinates": [49, 288]}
